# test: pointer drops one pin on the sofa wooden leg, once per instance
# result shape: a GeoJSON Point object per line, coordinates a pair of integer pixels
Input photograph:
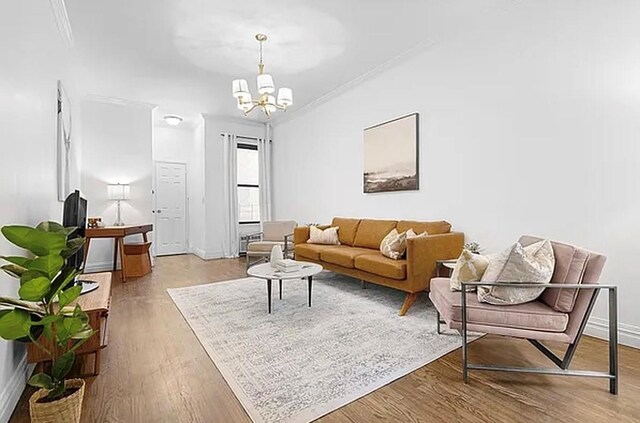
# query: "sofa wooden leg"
{"type": "Point", "coordinates": [408, 302]}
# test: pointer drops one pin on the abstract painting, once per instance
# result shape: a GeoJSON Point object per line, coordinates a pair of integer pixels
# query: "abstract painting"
{"type": "Point", "coordinates": [63, 141]}
{"type": "Point", "coordinates": [391, 155]}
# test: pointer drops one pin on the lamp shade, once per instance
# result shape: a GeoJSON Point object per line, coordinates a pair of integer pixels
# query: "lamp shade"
{"type": "Point", "coordinates": [285, 97]}
{"type": "Point", "coordinates": [240, 88]}
{"type": "Point", "coordinates": [118, 191]}
{"type": "Point", "coordinates": [245, 102]}
{"type": "Point", "coordinates": [265, 84]}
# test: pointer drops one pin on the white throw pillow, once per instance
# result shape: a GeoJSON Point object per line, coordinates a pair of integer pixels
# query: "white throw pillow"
{"type": "Point", "coordinates": [517, 264]}
{"type": "Point", "coordinates": [469, 268]}
{"type": "Point", "coordinates": [328, 236]}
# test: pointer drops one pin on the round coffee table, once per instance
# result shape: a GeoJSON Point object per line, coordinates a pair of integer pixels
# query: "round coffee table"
{"type": "Point", "coordinates": [265, 271]}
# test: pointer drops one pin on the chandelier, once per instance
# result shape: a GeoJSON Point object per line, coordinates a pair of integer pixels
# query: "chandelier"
{"type": "Point", "coordinates": [266, 101]}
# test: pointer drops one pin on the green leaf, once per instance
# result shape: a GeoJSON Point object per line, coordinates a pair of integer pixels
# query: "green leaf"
{"type": "Point", "coordinates": [73, 245]}
{"type": "Point", "coordinates": [20, 261]}
{"type": "Point", "coordinates": [49, 265]}
{"type": "Point", "coordinates": [49, 226]}
{"type": "Point", "coordinates": [80, 314]}
{"type": "Point", "coordinates": [39, 242]}
{"type": "Point", "coordinates": [61, 281]}
{"type": "Point", "coordinates": [13, 270]}
{"type": "Point", "coordinates": [68, 327]}
{"type": "Point", "coordinates": [35, 289]}
{"type": "Point", "coordinates": [28, 275]}
{"type": "Point", "coordinates": [62, 365]}
{"type": "Point", "coordinates": [57, 392]}
{"type": "Point", "coordinates": [68, 296]}
{"type": "Point", "coordinates": [15, 324]}
{"type": "Point", "coordinates": [41, 380]}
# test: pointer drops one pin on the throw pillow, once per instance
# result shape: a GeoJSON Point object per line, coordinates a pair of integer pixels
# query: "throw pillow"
{"type": "Point", "coordinates": [469, 268]}
{"type": "Point", "coordinates": [411, 234]}
{"type": "Point", "coordinates": [328, 236]}
{"type": "Point", "coordinates": [394, 244]}
{"type": "Point", "coordinates": [517, 264]}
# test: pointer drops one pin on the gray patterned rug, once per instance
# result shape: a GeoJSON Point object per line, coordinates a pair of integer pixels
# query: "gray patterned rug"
{"type": "Point", "coordinates": [299, 363]}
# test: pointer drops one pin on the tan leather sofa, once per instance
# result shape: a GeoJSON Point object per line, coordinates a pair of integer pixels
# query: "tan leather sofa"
{"type": "Point", "coordinates": [359, 254]}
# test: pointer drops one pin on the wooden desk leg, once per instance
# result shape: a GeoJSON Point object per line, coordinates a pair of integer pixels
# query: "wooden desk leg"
{"type": "Point", "coordinates": [115, 254]}
{"type": "Point", "coordinates": [145, 239]}
{"type": "Point", "coordinates": [123, 267]}
{"type": "Point", "coordinates": [96, 368]}
{"type": "Point", "coordinates": [86, 253]}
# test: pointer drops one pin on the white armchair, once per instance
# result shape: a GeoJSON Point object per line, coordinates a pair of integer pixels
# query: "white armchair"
{"type": "Point", "coordinates": [273, 233]}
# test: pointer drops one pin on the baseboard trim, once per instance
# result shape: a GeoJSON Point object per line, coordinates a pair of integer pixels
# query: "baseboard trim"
{"type": "Point", "coordinates": [627, 334]}
{"type": "Point", "coordinates": [198, 252]}
{"type": "Point", "coordinates": [12, 391]}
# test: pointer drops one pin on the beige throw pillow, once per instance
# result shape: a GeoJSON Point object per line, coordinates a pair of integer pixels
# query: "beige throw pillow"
{"type": "Point", "coordinates": [469, 268]}
{"type": "Point", "coordinates": [328, 236]}
{"type": "Point", "coordinates": [517, 264]}
{"type": "Point", "coordinates": [394, 244]}
{"type": "Point", "coordinates": [411, 234]}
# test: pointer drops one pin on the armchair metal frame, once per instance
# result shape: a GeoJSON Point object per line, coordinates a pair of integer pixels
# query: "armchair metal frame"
{"type": "Point", "coordinates": [561, 362]}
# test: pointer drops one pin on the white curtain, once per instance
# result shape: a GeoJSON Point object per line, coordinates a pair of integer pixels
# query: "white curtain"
{"type": "Point", "coordinates": [264, 160]}
{"type": "Point", "coordinates": [231, 241]}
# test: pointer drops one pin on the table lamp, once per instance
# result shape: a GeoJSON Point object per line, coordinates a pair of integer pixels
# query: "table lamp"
{"type": "Point", "coordinates": [118, 192]}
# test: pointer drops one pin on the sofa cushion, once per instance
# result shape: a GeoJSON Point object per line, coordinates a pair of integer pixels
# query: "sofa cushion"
{"type": "Point", "coordinates": [571, 263]}
{"type": "Point", "coordinates": [382, 266]}
{"type": "Point", "coordinates": [312, 251]}
{"type": "Point", "coordinates": [534, 315]}
{"type": "Point", "coordinates": [371, 232]}
{"type": "Point", "coordinates": [344, 255]}
{"type": "Point", "coordinates": [347, 229]}
{"type": "Point", "coordinates": [432, 228]}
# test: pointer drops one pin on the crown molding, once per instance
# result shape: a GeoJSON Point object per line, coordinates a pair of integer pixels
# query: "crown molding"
{"type": "Point", "coordinates": [120, 101]}
{"type": "Point", "coordinates": [62, 20]}
{"type": "Point", "coordinates": [384, 66]}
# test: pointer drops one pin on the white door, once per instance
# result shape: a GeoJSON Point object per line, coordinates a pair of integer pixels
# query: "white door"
{"type": "Point", "coordinates": [171, 201]}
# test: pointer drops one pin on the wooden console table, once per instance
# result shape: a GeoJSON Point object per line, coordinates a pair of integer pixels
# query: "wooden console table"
{"type": "Point", "coordinates": [117, 233]}
{"type": "Point", "coordinates": [96, 304]}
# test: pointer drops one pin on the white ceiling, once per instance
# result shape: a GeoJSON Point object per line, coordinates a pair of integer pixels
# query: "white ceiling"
{"type": "Point", "coordinates": [183, 54]}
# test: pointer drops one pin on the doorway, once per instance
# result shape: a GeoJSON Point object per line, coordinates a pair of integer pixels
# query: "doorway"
{"type": "Point", "coordinates": [171, 208]}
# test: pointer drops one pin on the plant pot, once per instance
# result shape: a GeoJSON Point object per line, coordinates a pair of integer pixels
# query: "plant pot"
{"type": "Point", "coordinates": [65, 410]}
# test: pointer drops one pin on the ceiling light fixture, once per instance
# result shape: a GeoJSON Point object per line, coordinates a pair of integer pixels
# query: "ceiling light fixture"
{"type": "Point", "coordinates": [173, 120]}
{"type": "Point", "coordinates": [266, 101]}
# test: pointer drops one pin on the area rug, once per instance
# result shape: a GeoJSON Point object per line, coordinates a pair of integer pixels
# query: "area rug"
{"type": "Point", "coordinates": [300, 363]}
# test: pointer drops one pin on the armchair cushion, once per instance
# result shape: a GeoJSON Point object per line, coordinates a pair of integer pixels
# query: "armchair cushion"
{"type": "Point", "coordinates": [263, 246]}
{"type": "Point", "coordinates": [276, 231]}
{"type": "Point", "coordinates": [571, 263]}
{"type": "Point", "coordinates": [534, 315]}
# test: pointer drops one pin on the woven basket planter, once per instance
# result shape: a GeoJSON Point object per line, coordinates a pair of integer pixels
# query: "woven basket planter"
{"type": "Point", "coordinates": [64, 410]}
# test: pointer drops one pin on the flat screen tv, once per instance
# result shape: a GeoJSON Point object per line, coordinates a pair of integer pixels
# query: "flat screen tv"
{"type": "Point", "coordinates": [75, 215]}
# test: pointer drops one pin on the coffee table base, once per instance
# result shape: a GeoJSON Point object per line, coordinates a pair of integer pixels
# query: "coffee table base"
{"type": "Point", "coordinates": [310, 283]}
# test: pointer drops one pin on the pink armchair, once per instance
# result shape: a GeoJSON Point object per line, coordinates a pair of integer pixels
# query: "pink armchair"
{"type": "Point", "coordinates": [560, 314]}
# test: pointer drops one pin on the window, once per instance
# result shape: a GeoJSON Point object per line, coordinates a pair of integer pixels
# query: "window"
{"type": "Point", "coordinates": [248, 188]}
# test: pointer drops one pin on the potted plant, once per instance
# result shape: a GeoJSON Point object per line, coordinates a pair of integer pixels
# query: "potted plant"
{"type": "Point", "coordinates": [43, 315]}
{"type": "Point", "coordinates": [473, 247]}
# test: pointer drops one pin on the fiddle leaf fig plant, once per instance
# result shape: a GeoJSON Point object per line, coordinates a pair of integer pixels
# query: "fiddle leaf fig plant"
{"type": "Point", "coordinates": [42, 314]}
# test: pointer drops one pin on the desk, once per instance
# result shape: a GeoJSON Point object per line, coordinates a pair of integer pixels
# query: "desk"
{"type": "Point", "coordinates": [96, 304]}
{"type": "Point", "coordinates": [117, 233]}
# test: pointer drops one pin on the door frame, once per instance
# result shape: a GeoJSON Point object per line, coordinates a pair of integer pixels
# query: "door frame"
{"type": "Point", "coordinates": [155, 203]}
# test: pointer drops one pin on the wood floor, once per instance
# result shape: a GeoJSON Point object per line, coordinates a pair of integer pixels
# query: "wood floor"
{"type": "Point", "coordinates": [155, 370]}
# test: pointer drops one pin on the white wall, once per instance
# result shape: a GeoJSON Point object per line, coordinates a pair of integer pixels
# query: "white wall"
{"type": "Point", "coordinates": [529, 124]}
{"type": "Point", "coordinates": [117, 148]}
{"type": "Point", "coordinates": [186, 145]}
{"type": "Point", "coordinates": [34, 57]}
{"type": "Point", "coordinates": [214, 193]}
